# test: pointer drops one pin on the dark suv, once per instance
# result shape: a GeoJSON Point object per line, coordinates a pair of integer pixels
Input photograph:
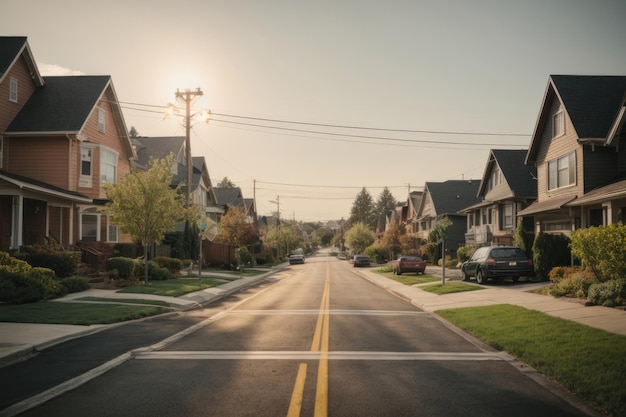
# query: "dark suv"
{"type": "Point", "coordinates": [497, 262]}
{"type": "Point", "coordinates": [361, 260]}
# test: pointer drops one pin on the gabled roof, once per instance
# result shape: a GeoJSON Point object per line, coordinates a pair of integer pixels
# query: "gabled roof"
{"type": "Point", "coordinates": [614, 190]}
{"type": "Point", "coordinates": [451, 196]}
{"type": "Point", "coordinates": [42, 187]}
{"type": "Point", "coordinates": [592, 103]}
{"type": "Point", "coordinates": [231, 196]}
{"type": "Point", "coordinates": [11, 48]}
{"type": "Point", "coordinates": [158, 147]}
{"type": "Point", "coordinates": [521, 178]}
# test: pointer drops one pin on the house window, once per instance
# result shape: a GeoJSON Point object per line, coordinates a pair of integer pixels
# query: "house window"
{"type": "Point", "coordinates": [85, 166]}
{"type": "Point", "coordinates": [101, 120]}
{"type": "Point", "coordinates": [507, 216]}
{"type": "Point", "coordinates": [495, 178]}
{"type": "Point", "coordinates": [13, 90]}
{"type": "Point", "coordinates": [108, 166]}
{"type": "Point", "coordinates": [563, 226]}
{"type": "Point", "coordinates": [562, 172]}
{"type": "Point", "coordinates": [558, 124]}
{"type": "Point", "coordinates": [112, 232]}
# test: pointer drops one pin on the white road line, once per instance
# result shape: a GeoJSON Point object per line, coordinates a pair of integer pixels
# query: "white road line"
{"type": "Point", "coordinates": [311, 355]}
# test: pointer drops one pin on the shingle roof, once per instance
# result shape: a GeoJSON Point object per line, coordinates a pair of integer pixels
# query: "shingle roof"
{"type": "Point", "coordinates": [10, 46]}
{"type": "Point", "coordinates": [522, 179]}
{"type": "Point", "coordinates": [39, 186]}
{"type": "Point", "coordinates": [62, 105]}
{"type": "Point", "coordinates": [452, 196]}
{"type": "Point", "coordinates": [591, 102]}
{"type": "Point", "coordinates": [229, 195]}
{"type": "Point", "coordinates": [158, 147]}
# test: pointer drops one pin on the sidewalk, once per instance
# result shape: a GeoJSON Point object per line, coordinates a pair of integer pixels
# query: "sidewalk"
{"type": "Point", "coordinates": [20, 339]}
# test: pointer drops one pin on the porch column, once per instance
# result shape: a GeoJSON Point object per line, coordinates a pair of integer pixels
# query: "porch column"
{"type": "Point", "coordinates": [18, 222]}
{"type": "Point", "coordinates": [72, 210]}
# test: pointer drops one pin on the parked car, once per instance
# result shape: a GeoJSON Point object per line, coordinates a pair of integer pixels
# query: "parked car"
{"type": "Point", "coordinates": [296, 259]}
{"type": "Point", "coordinates": [497, 262]}
{"type": "Point", "coordinates": [408, 264]}
{"type": "Point", "coordinates": [361, 260]}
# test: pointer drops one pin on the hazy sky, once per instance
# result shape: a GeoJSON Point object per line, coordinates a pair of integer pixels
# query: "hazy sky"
{"type": "Point", "coordinates": [437, 70]}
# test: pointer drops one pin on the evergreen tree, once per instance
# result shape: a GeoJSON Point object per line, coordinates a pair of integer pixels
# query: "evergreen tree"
{"type": "Point", "coordinates": [363, 210]}
{"type": "Point", "coordinates": [385, 204]}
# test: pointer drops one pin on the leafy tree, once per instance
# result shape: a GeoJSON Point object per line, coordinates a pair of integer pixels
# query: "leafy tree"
{"type": "Point", "coordinates": [226, 183]}
{"type": "Point", "coordinates": [363, 210]}
{"type": "Point", "coordinates": [384, 204]}
{"type": "Point", "coordinates": [145, 206]}
{"type": "Point", "coordinates": [359, 237]}
{"type": "Point", "coordinates": [235, 230]}
{"type": "Point", "coordinates": [325, 235]}
{"type": "Point", "coordinates": [602, 249]}
{"type": "Point", "coordinates": [282, 238]}
{"type": "Point", "coordinates": [133, 132]}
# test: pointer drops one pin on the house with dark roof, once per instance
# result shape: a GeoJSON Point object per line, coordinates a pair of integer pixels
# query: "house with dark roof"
{"type": "Point", "coordinates": [61, 140]}
{"type": "Point", "coordinates": [202, 191]}
{"type": "Point", "coordinates": [446, 199]}
{"type": "Point", "coordinates": [507, 187]}
{"type": "Point", "coordinates": [579, 150]}
{"type": "Point", "coordinates": [233, 197]}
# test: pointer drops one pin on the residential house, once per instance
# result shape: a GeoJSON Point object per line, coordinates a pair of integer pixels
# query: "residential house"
{"type": "Point", "coordinates": [233, 197]}
{"type": "Point", "coordinates": [579, 149]}
{"type": "Point", "coordinates": [446, 199]}
{"type": "Point", "coordinates": [507, 187]}
{"type": "Point", "coordinates": [62, 139]}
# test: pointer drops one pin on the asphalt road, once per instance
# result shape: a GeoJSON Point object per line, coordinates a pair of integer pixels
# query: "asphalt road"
{"type": "Point", "coordinates": [317, 341]}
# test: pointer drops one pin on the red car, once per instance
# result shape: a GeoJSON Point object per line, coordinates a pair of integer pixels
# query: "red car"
{"type": "Point", "coordinates": [409, 264]}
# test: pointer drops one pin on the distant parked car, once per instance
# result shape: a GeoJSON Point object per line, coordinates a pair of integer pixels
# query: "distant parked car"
{"type": "Point", "coordinates": [296, 259]}
{"type": "Point", "coordinates": [408, 264]}
{"type": "Point", "coordinates": [497, 262]}
{"type": "Point", "coordinates": [361, 260]}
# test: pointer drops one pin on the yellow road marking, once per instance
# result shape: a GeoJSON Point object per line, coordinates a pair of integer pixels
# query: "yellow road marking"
{"type": "Point", "coordinates": [296, 397]}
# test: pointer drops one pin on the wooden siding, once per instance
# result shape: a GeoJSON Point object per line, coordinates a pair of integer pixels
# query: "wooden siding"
{"type": "Point", "coordinates": [25, 88]}
{"type": "Point", "coordinates": [550, 149]}
{"type": "Point", "coordinates": [41, 158]}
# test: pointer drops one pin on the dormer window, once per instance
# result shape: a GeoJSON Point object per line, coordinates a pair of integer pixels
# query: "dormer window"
{"type": "Point", "coordinates": [558, 124]}
{"type": "Point", "coordinates": [13, 90]}
{"type": "Point", "coordinates": [101, 120]}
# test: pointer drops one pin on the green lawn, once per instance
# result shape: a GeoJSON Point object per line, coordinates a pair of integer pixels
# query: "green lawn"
{"type": "Point", "coordinates": [53, 312]}
{"type": "Point", "coordinates": [410, 279]}
{"type": "Point", "coordinates": [587, 361]}
{"type": "Point", "coordinates": [173, 287]}
{"type": "Point", "coordinates": [450, 287]}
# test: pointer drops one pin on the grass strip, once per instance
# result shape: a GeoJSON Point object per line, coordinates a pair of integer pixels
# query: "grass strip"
{"type": "Point", "coordinates": [587, 361]}
{"type": "Point", "coordinates": [450, 287]}
{"type": "Point", "coordinates": [51, 312]}
{"type": "Point", "coordinates": [409, 279]}
{"type": "Point", "coordinates": [125, 301]}
{"type": "Point", "coordinates": [172, 287]}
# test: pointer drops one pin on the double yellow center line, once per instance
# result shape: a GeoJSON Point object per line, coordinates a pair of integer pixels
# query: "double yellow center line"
{"type": "Point", "coordinates": [320, 344]}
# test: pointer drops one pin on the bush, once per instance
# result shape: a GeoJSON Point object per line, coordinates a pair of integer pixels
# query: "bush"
{"type": "Point", "coordinates": [174, 265]}
{"type": "Point", "coordinates": [125, 267]}
{"type": "Point", "coordinates": [559, 273]}
{"type": "Point", "coordinates": [550, 251]}
{"type": "Point", "coordinates": [29, 285]}
{"type": "Point", "coordinates": [62, 262]}
{"type": "Point", "coordinates": [464, 252]}
{"type": "Point", "coordinates": [576, 285]}
{"type": "Point", "coordinates": [610, 293]}
{"type": "Point", "coordinates": [125, 250]}
{"type": "Point", "coordinates": [155, 272]}
{"type": "Point", "coordinates": [602, 249]}
{"type": "Point", "coordinates": [75, 284]}
{"type": "Point", "coordinates": [377, 253]}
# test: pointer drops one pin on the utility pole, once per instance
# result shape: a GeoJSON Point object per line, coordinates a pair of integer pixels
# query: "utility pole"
{"type": "Point", "coordinates": [187, 96]}
{"type": "Point", "coordinates": [277, 202]}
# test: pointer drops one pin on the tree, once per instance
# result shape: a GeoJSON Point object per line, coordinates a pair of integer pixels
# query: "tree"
{"type": "Point", "coordinates": [226, 183]}
{"type": "Point", "coordinates": [235, 230]}
{"type": "Point", "coordinates": [145, 206]}
{"type": "Point", "coordinates": [363, 210]}
{"type": "Point", "coordinates": [384, 204]}
{"type": "Point", "coordinates": [359, 237]}
{"type": "Point", "coordinates": [133, 132]}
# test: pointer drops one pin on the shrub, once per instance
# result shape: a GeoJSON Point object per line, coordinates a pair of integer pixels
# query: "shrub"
{"type": "Point", "coordinates": [602, 249]}
{"type": "Point", "coordinates": [558, 273]}
{"type": "Point", "coordinates": [62, 262]}
{"type": "Point", "coordinates": [75, 284]}
{"type": "Point", "coordinates": [155, 272]}
{"type": "Point", "coordinates": [550, 251]}
{"type": "Point", "coordinates": [576, 285]}
{"type": "Point", "coordinates": [610, 293]}
{"type": "Point", "coordinates": [126, 267]}
{"type": "Point", "coordinates": [125, 250]}
{"type": "Point", "coordinates": [377, 253]}
{"type": "Point", "coordinates": [30, 285]}
{"type": "Point", "coordinates": [464, 252]}
{"type": "Point", "coordinates": [174, 265]}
